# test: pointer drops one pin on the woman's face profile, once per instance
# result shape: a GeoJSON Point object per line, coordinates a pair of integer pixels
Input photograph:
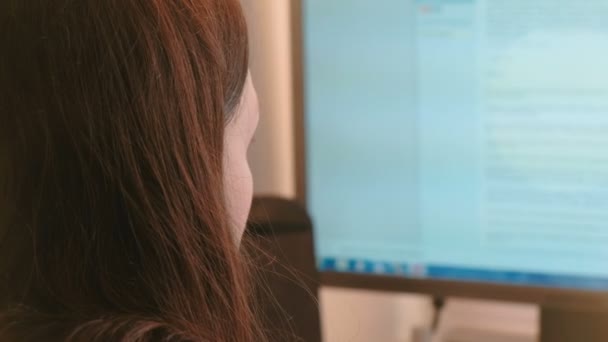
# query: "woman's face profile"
{"type": "Point", "coordinates": [238, 180]}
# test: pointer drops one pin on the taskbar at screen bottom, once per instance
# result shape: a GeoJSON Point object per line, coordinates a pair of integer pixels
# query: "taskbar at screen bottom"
{"type": "Point", "coordinates": [439, 272]}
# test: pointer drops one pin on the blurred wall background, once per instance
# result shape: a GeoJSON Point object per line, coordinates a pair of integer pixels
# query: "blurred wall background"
{"type": "Point", "coordinates": [272, 155]}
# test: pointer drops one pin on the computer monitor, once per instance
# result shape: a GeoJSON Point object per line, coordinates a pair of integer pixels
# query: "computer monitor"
{"type": "Point", "coordinates": [458, 147]}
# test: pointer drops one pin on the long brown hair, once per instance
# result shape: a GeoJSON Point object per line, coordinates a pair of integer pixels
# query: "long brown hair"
{"type": "Point", "coordinates": [113, 224]}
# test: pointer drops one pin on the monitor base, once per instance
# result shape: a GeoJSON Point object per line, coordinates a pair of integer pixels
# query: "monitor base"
{"type": "Point", "coordinates": [557, 320]}
{"type": "Point", "coordinates": [467, 320]}
{"type": "Point", "coordinates": [574, 322]}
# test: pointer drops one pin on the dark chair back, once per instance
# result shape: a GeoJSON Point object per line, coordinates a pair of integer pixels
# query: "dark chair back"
{"type": "Point", "coordinates": [283, 231]}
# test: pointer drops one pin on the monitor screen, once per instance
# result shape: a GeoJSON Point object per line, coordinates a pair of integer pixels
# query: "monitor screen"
{"type": "Point", "coordinates": [459, 139]}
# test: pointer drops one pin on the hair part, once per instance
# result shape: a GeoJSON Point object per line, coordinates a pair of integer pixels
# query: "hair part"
{"type": "Point", "coordinates": [114, 225]}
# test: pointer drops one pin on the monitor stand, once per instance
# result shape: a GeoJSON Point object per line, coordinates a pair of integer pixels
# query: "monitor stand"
{"type": "Point", "coordinates": [468, 320]}
{"type": "Point", "coordinates": [562, 320]}
{"type": "Point", "coordinates": [574, 320]}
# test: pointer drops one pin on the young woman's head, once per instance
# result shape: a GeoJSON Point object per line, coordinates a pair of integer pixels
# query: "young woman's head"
{"type": "Point", "coordinates": [124, 184]}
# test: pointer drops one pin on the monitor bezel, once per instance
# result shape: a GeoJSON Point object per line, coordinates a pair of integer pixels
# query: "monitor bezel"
{"type": "Point", "coordinates": [434, 287]}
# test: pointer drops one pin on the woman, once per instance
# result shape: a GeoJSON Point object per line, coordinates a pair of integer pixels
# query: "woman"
{"type": "Point", "coordinates": [124, 183]}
